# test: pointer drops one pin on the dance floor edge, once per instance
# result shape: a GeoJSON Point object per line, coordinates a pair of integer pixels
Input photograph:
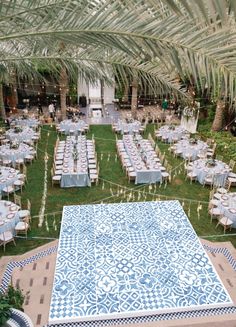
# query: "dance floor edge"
{"type": "Point", "coordinates": [131, 259]}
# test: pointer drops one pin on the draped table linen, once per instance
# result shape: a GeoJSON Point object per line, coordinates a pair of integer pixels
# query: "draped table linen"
{"type": "Point", "coordinates": [227, 206]}
{"type": "Point", "coordinates": [75, 172]}
{"type": "Point", "coordinates": [189, 150]}
{"type": "Point", "coordinates": [8, 176]}
{"type": "Point", "coordinates": [9, 216]}
{"type": "Point", "coordinates": [25, 136]}
{"type": "Point", "coordinates": [29, 122]}
{"type": "Point", "coordinates": [77, 127]}
{"type": "Point", "coordinates": [176, 134]}
{"type": "Point", "coordinates": [143, 158]}
{"type": "Point", "coordinates": [6, 153]}
{"type": "Point", "coordinates": [128, 128]}
{"type": "Point", "coordinates": [219, 172]}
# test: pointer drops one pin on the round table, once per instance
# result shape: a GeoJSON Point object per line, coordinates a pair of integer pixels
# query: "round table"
{"type": "Point", "coordinates": [220, 171]}
{"type": "Point", "coordinates": [128, 128]}
{"type": "Point", "coordinates": [69, 126]}
{"type": "Point", "coordinates": [26, 135]}
{"type": "Point", "coordinates": [227, 206]}
{"type": "Point", "coordinates": [9, 216]}
{"type": "Point", "coordinates": [172, 134]}
{"type": "Point", "coordinates": [6, 153]}
{"type": "Point", "coordinates": [8, 176]}
{"type": "Point", "coordinates": [191, 150]}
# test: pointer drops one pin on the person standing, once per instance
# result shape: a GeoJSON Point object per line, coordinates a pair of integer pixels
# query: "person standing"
{"type": "Point", "coordinates": [40, 109]}
{"type": "Point", "coordinates": [51, 110]}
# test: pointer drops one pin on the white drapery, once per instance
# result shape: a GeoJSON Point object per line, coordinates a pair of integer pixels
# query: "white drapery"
{"type": "Point", "coordinates": [190, 122]}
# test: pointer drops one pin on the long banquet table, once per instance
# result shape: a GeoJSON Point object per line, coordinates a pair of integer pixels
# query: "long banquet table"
{"type": "Point", "coordinates": [143, 159]}
{"type": "Point", "coordinates": [75, 170]}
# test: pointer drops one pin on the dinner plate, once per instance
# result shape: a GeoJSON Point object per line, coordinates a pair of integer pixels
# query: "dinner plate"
{"type": "Point", "coordinates": [232, 210]}
{"type": "Point", "coordinates": [10, 215]}
{"type": "Point", "coordinates": [65, 170]}
{"type": "Point", "coordinates": [224, 197]}
{"type": "Point", "coordinates": [1, 222]}
{"type": "Point", "coordinates": [225, 204]}
{"type": "Point", "coordinates": [13, 208]}
{"type": "Point", "coordinates": [10, 176]}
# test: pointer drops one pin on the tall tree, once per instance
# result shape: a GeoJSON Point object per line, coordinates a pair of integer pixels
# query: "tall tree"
{"type": "Point", "coordinates": [134, 99]}
{"type": "Point", "coordinates": [63, 83]}
{"type": "Point", "coordinates": [2, 107]}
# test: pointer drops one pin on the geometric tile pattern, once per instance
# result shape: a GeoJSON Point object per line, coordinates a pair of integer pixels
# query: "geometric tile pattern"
{"type": "Point", "coordinates": [130, 259]}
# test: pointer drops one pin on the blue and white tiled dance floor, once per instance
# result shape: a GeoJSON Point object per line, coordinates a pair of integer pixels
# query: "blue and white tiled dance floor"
{"type": "Point", "coordinates": [131, 259]}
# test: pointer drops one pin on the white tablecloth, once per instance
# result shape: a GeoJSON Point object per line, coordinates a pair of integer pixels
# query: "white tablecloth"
{"type": "Point", "coordinates": [8, 176]}
{"type": "Point", "coordinates": [191, 150]}
{"type": "Point", "coordinates": [227, 205]}
{"type": "Point", "coordinates": [75, 171]}
{"type": "Point", "coordinates": [8, 216]}
{"type": "Point", "coordinates": [30, 122]}
{"type": "Point", "coordinates": [25, 135]}
{"type": "Point", "coordinates": [143, 158]}
{"type": "Point", "coordinates": [68, 125]}
{"type": "Point", "coordinates": [130, 128]}
{"type": "Point", "coordinates": [176, 133]}
{"type": "Point", "coordinates": [220, 171]}
{"type": "Point", "coordinates": [13, 154]}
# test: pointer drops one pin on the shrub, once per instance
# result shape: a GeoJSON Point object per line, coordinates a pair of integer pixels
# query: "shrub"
{"type": "Point", "coordinates": [13, 298]}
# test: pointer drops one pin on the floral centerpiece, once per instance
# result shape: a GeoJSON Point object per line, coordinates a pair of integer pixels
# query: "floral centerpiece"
{"type": "Point", "coordinates": [172, 127]}
{"type": "Point", "coordinates": [189, 112]}
{"type": "Point", "coordinates": [14, 145]}
{"type": "Point", "coordinates": [210, 163]}
{"type": "Point", "coordinates": [75, 153]}
{"type": "Point", "coordinates": [193, 141]}
{"type": "Point", "coordinates": [18, 129]}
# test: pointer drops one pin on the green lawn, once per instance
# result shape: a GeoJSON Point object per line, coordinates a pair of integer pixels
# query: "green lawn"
{"type": "Point", "coordinates": [113, 187]}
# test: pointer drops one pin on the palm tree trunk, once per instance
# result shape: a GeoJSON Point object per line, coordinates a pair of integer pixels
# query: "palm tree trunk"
{"type": "Point", "coordinates": [219, 115]}
{"type": "Point", "coordinates": [134, 100]}
{"type": "Point", "coordinates": [2, 107]}
{"type": "Point", "coordinates": [126, 93]}
{"type": "Point", "coordinates": [14, 97]}
{"type": "Point", "coordinates": [63, 82]}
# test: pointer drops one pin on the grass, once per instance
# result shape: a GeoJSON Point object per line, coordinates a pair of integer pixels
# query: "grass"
{"type": "Point", "coordinates": [112, 181]}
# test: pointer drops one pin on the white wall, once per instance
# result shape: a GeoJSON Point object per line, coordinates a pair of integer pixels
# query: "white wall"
{"type": "Point", "coordinates": [82, 89]}
{"type": "Point", "coordinates": [95, 91]}
{"type": "Point", "coordinates": [109, 94]}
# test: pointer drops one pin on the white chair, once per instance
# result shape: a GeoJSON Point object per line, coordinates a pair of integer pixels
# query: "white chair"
{"type": "Point", "coordinates": [6, 237]}
{"type": "Point", "coordinates": [22, 227]}
{"type": "Point", "coordinates": [225, 222]}
{"type": "Point", "coordinates": [25, 213]}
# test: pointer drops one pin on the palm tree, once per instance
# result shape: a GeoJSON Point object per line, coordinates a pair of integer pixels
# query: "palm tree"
{"type": "Point", "coordinates": [188, 38]}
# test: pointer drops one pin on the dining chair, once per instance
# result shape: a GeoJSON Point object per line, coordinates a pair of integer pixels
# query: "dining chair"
{"type": "Point", "coordinates": [22, 226]}
{"type": "Point", "coordinates": [225, 222]}
{"type": "Point", "coordinates": [17, 200]}
{"type": "Point", "coordinates": [6, 237]}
